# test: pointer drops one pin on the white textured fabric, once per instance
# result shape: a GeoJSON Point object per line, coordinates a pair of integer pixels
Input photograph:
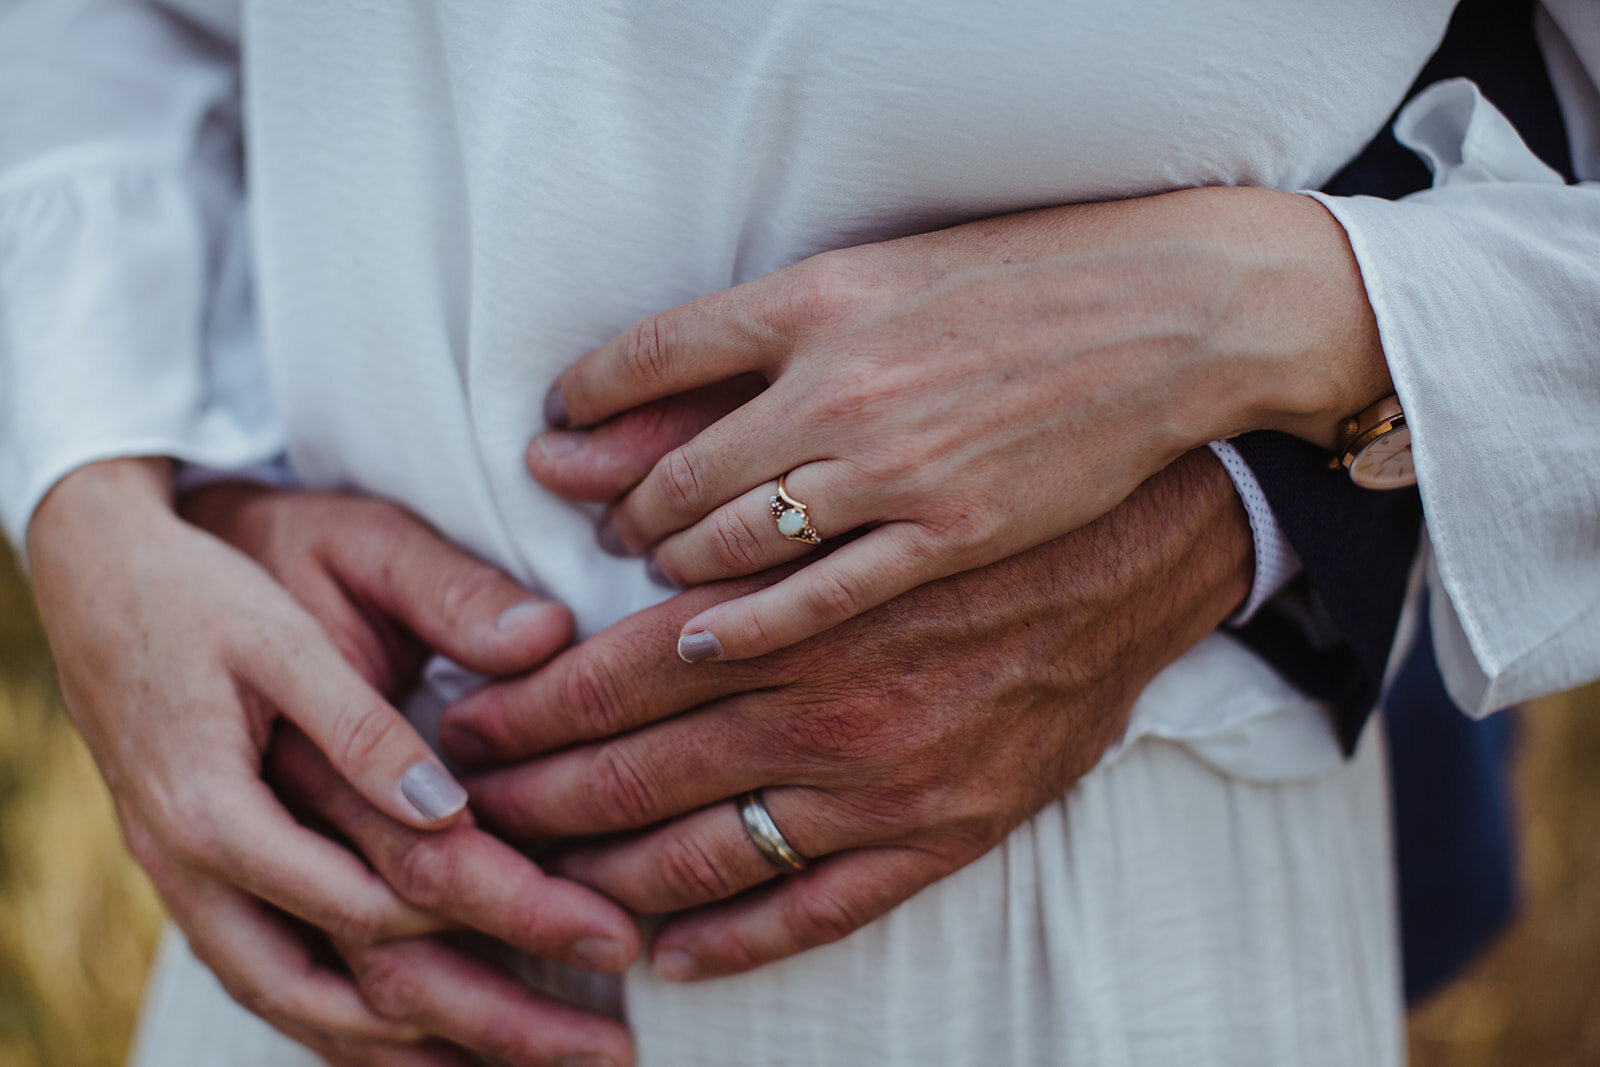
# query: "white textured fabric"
{"type": "Point", "coordinates": [125, 319]}
{"type": "Point", "coordinates": [1487, 294]}
{"type": "Point", "coordinates": [1277, 563]}
{"type": "Point", "coordinates": [1113, 930]}
{"type": "Point", "coordinates": [451, 202]}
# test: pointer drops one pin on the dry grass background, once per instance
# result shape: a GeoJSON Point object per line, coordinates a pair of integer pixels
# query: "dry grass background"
{"type": "Point", "coordinates": [78, 922]}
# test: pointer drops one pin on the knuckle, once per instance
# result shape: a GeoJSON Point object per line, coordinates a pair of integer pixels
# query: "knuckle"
{"type": "Point", "coordinates": [428, 872]}
{"type": "Point", "coordinates": [818, 919]}
{"type": "Point", "coordinates": [592, 695]}
{"type": "Point", "coordinates": [190, 834]}
{"type": "Point", "coordinates": [821, 289]}
{"type": "Point", "coordinates": [356, 924]}
{"type": "Point", "coordinates": [736, 952]}
{"type": "Point", "coordinates": [362, 730]}
{"type": "Point", "coordinates": [852, 728]}
{"type": "Point", "coordinates": [644, 349]}
{"type": "Point", "coordinates": [735, 546]}
{"type": "Point", "coordinates": [392, 984]}
{"type": "Point", "coordinates": [679, 479]}
{"type": "Point", "coordinates": [461, 589]}
{"type": "Point", "coordinates": [617, 789]}
{"type": "Point", "coordinates": [849, 396]}
{"type": "Point", "coordinates": [832, 597]}
{"type": "Point", "coordinates": [690, 873]}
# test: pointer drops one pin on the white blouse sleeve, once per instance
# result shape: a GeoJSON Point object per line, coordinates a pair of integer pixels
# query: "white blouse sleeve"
{"type": "Point", "coordinates": [125, 318]}
{"type": "Point", "coordinates": [1487, 295]}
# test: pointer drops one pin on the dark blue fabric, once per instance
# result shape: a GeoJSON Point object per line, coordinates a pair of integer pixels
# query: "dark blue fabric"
{"type": "Point", "coordinates": [1450, 778]}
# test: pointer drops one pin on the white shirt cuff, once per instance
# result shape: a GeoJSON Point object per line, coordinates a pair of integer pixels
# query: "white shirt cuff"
{"type": "Point", "coordinates": [1277, 563]}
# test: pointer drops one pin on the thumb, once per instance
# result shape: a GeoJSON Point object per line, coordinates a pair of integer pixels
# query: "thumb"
{"type": "Point", "coordinates": [453, 603]}
{"type": "Point", "coordinates": [367, 740]}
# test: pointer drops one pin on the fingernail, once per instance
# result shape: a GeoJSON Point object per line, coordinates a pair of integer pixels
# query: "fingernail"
{"type": "Point", "coordinates": [462, 744]}
{"type": "Point", "coordinates": [555, 409]}
{"type": "Point", "coordinates": [698, 646]}
{"type": "Point", "coordinates": [517, 614]}
{"type": "Point", "coordinates": [602, 954]}
{"type": "Point", "coordinates": [652, 570]}
{"type": "Point", "coordinates": [432, 791]}
{"type": "Point", "coordinates": [586, 1059]}
{"type": "Point", "coordinates": [610, 540]}
{"type": "Point", "coordinates": [676, 965]}
{"type": "Point", "coordinates": [558, 444]}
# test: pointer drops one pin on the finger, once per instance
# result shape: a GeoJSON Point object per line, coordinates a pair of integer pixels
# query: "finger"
{"type": "Point", "coordinates": [820, 905]}
{"type": "Point", "coordinates": [857, 577]}
{"type": "Point", "coordinates": [743, 536]}
{"type": "Point", "coordinates": [374, 650]}
{"type": "Point", "coordinates": [466, 875]}
{"type": "Point", "coordinates": [267, 968]}
{"type": "Point", "coordinates": [446, 992]}
{"type": "Point", "coordinates": [370, 743]}
{"type": "Point", "coordinates": [747, 448]}
{"type": "Point", "coordinates": [637, 779]}
{"type": "Point", "coordinates": [707, 855]}
{"type": "Point", "coordinates": [621, 678]}
{"type": "Point", "coordinates": [458, 605]}
{"type": "Point", "coordinates": [708, 340]}
{"type": "Point", "coordinates": [604, 463]}
{"type": "Point", "coordinates": [252, 842]}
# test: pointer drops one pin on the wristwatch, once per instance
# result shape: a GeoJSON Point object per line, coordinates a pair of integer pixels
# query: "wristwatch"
{"type": "Point", "coordinates": [1375, 447]}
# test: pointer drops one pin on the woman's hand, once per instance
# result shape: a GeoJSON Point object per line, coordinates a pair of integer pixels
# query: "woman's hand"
{"type": "Point", "coordinates": [967, 394]}
{"type": "Point", "coordinates": [179, 661]}
{"type": "Point", "coordinates": [892, 749]}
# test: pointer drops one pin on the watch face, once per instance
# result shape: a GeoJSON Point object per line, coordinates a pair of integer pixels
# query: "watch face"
{"type": "Point", "coordinates": [1386, 462]}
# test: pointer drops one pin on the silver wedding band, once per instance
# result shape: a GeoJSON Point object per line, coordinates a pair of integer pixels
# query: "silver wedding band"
{"type": "Point", "coordinates": [765, 835]}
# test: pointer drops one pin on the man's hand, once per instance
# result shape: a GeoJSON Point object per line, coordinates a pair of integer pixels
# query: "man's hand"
{"type": "Point", "coordinates": [892, 749]}
{"type": "Point", "coordinates": [181, 662]}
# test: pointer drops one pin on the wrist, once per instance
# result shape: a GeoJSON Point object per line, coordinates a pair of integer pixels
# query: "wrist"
{"type": "Point", "coordinates": [1196, 541]}
{"type": "Point", "coordinates": [1293, 344]}
{"type": "Point", "coordinates": [96, 502]}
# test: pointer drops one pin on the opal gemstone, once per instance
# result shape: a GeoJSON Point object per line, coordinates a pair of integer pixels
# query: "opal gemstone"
{"type": "Point", "coordinates": [791, 522]}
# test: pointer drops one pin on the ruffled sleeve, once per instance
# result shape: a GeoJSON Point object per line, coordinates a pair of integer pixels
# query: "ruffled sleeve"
{"type": "Point", "coordinates": [125, 319]}
{"type": "Point", "coordinates": [1486, 290]}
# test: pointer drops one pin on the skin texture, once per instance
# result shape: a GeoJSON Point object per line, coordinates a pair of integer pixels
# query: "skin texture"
{"type": "Point", "coordinates": [188, 669]}
{"type": "Point", "coordinates": [893, 749]}
{"type": "Point", "coordinates": [897, 739]}
{"type": "Point", "coordinates": [964, 395]}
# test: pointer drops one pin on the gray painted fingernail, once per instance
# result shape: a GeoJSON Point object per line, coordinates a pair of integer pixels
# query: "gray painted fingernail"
{"type": "Point", "coordinates": [610, 540]}
{"type": "Point", "coordinates": [586, 1059]}
{"type": "Point", "coordinates": [676, 965]}
{"type": "Point", "coordinates": [432, 791]}
{"type": "Point", "coordinates": [652, 569]}
{"type": "Point", "coordinates": [517, 614]}
{"type": "Point", "coordinates": [555, 409]}
{"type": "Point", "coordinates": [601, 953]}
{"type": "Point", "coordinates": [559, 444]}
{"type": "Point", "coordinates": [698, 646]}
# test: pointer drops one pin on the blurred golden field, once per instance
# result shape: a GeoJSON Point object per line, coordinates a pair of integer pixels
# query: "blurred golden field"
{"type": "Point", "coordinates": [78, 922]}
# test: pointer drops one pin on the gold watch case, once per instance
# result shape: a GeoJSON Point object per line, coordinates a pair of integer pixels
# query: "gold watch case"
{"type": "Point", "coordinates": [1375, 447]}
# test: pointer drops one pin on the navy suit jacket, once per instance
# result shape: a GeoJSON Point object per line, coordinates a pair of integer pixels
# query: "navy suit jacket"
{"type": "Point", "coordinates": [1357, 544]}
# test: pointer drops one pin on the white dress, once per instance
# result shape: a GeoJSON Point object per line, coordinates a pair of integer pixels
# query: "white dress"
{"type": "Point", "coordinates": [449, 202]}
